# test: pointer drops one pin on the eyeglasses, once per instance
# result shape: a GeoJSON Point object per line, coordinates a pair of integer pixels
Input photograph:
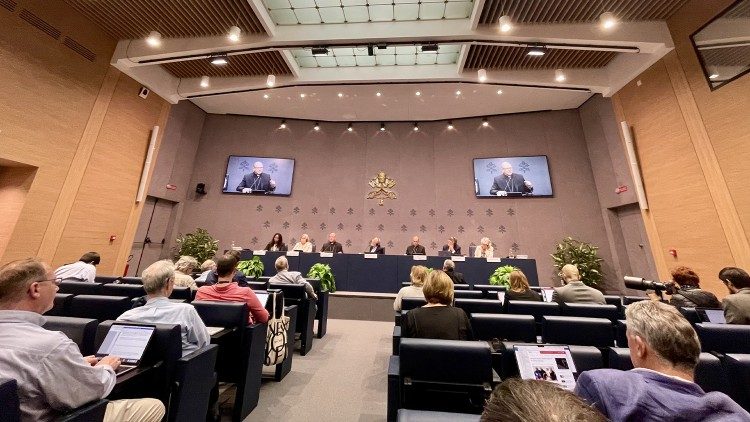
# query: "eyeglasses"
{"type": "Point", "coordinates": [56, 280]}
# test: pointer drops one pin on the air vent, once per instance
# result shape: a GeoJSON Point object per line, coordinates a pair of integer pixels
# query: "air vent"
{"type": "Point", "coordinates": [9, 4]}
{"type": "Point", "coordinates": [40, 24]}
{"type": "Point", "coordinates": [80, 49]}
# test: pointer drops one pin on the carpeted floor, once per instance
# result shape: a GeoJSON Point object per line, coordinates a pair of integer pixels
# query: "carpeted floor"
{"type": "Point", "coordinates": [343, 378]}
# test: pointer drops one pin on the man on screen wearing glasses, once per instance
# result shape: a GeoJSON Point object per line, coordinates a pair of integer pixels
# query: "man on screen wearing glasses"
{"type": "Point", "coordinates": [257, 181]}
{"type": "Point", "coordinates": [510, 182]}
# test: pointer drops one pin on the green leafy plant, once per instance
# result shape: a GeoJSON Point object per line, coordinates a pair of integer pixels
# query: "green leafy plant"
{"type": "Point", "coordinates": [252, 268]}
{"type": "Point", "coordinates": [584, 256]}
{"type": "Point", "coordinates": [325, 275]}
{"type": "Point", "coordinates": [501, 276]}
{"type": "Point", "coordinates": [199, 244]}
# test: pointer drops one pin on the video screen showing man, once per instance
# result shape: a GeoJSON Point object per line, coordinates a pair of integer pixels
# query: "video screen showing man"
{"type": "Point", "coordinates": [509, 182]}
{"type": "Point", "coordinates": [257, 181]}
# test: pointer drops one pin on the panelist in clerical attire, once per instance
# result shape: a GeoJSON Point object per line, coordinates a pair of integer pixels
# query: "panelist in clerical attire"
{"type": "Point", "coordinates": [257, 181]}
{"type": "Point", "coordinates": [332, 245]}
{"type": "Point", "coordinates": [510, 182]}
{"type": "Point", "coordinates": [415, 248]}
{"type": "Point", "coordinates": [374, 247]}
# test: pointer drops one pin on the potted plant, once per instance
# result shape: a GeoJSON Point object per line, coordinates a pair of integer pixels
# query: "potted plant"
{"type": "Point", "coordinates": [252, 268]}
{"type": "Point", "coordinates": [325, 275]}
{"type": "Point", "coordinates": [501, 276]}
{"type": "Point", "coordinates": [199, 244]}
{"type": "Point", "coordinates": [584, 256]}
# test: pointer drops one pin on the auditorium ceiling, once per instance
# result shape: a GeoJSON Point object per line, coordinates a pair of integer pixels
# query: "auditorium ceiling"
{"type": "Point", "coordinates": [367, 59]}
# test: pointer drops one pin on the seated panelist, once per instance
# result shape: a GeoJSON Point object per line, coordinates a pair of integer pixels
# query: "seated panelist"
{"type": "Point", "coordinates": [375, 247]}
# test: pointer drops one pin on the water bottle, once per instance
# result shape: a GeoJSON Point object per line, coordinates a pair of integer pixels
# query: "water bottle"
{"type": "Point", "coordinates": [511, 254]}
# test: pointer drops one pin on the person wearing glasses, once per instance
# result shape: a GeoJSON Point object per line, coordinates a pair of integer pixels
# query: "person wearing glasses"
{"type": "Point", "coordinates": [82, 270]}
{"type": "Point", "coordinates": [53, 377]}
{"type": "Point", "coordinates": [257, 181]}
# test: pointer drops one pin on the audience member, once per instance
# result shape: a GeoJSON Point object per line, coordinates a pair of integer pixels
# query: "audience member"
{"type": "Point", "coordinates": [374, 247]}
{"type": "Point", "coordinates": [227, 290]}
{"type": "Point", "coordinates": [283, 275]}
{"type": "Point", "coordinates": [239, 277]}
{"type": "Point", "coordinates": [437, 319]}
{"type": "Point", "coordinates": [332, 245]}
{"type": "Point", "coordinates": [574, 291]}
{"type": "Point", "coordinates": [452, 246]}
{"type": "Point", "coordinates": [518, 400]}
{"type": "Point", "coordinates": [53, 377]}
{"type": "Point", "coordinates": [183, 272]}
{"type": "Point", "coordinates": [304, 244]}
{"type": "Point", "coordinates": [208, 266]}
{"type": "Point", "coordinates": [417, 276]}
{"type": "Point", "coordinates": [664, 349]}
{"type": "Point", "coordinates": [450, 268]}
{"type": "Point", "coordinates": [82, 270]}
{"type": "Point", "coordinates": [737, 304]}
{"type": "Point", "coordinates": [485, 249]}
{"type": "Point", "coordinates": [276, 244]}
{"type": "Point", "coordinates": [689, 293]}
{"type": "Point", "coordinates": [415, 248]}
{"type": "Point", "coordinates": [519, 288]}
{"type": "Point", "coordinates": [158, 281]}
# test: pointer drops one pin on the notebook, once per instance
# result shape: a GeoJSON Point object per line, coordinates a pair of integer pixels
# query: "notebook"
{"type": "Point", "coordinates": [547, 363]}
{"type": "Point", "coordinates": [128, 342]}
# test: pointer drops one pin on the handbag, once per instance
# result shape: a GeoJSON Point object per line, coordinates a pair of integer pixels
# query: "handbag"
{"type": "Point", "coordinates": [276, 336]}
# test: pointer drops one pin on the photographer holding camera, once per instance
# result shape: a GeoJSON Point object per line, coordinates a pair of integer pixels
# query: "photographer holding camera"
{"type": "Point", "coordinates": [686, 291]}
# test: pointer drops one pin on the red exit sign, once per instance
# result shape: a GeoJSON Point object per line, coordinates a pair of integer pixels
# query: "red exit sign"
{"type": "Point", "coordinates": [621, 189]}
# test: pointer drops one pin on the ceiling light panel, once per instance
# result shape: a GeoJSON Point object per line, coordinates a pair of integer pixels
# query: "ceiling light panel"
{"type": "Point", "coordinates": [311, 12]}
{"type": "Point", "coordinates": [402, 55]}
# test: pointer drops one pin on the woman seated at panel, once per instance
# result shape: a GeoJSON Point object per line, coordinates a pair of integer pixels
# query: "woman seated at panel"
{"type": "Point", "coordinates": [484, 250]}
{"type": "Point", "coordinates": [304, 244]}
{"type": "Point", "coordinates": [417, 276]}
{"type": "Point", "coordinates": [183, 270]}
{"type": "Point", "coordinates": [437, 319]}
{"type": "Point", "coordinates": [452, 246]}
{"type": "Point", "coordinates": [519, 288]}
{"type": "Point", "coordinates": [276, 244]}
{"type": "Point", "coordinates": [688, 293]}
{"type": "Point", "coordinates": [374, 247]}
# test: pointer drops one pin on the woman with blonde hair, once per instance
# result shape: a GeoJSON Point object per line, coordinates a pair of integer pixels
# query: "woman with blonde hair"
{"type": "Point", "coordinates": [304, 244]}
{"type": "Point", "coordinates": [519, 288]}
{"type": "Point", "coordinates": [417, 276]}
{"type": "Point", "coordinates": [484, 250]}
{"type": "Point", "coordinates": [183, 269]}
{"type": "Point", "coordinates": [437, 319]}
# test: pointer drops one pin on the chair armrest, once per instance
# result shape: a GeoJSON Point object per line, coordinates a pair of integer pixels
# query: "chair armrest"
{"type": "Point", "coordinates": [394, 366]}
{"type": "Point", "coordinates": [93, 411]}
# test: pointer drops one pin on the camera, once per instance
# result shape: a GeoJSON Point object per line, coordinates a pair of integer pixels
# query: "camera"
{"type": "Point", "coordinates": [640, 283]}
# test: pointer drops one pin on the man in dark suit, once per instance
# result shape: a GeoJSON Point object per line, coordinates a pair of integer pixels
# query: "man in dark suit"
{"type": "Point", "coordinates": [510, 182]}
{"type": "Point", "coordinates": [450, 268]}
{"type": "Point", "coordinates": [375, 247]}
{"type": "Point", "coordinates": [415, 248]}
{"type": "Point", "coordinates": [332, 245]}
{"type": "Point", "coordinates": [257, 181]}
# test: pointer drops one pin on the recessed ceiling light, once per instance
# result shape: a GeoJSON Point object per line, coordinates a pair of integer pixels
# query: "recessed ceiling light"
{"type": "Point", "coordinates": [219, 59]}
{"type": "Point", "coordinates": [283, 124]}
{"type": "Point", "coordinates": [340, 94]}
{"type": "Point", "coordinates": [607, 20]}
{"type": "Point", "coordinates": [378, 94]}
{"type": "Point", "coordinates": [382, 127]}
{"type": "Point", "coordinates": [416, 127]}
{"type": "Point", "coordinates": [560, 75]}
{"type": "Point", "coordinates": [506, 23]}
{"type": "Point", "coordinates": [499, 92]}
{"type": "Point", "coordinates": [450, 125]}
{"type": "Point", "coordinates": [154, 39]}
{"type": "Point", "coordinates": [350, 128]}
{"type": "Point", "coordinates": [458, 92]}
{"type": "Point", "coordinates": [270, 80]}
{"type": "Point", "coordinates": [482, 75]}
{"type": "Point", "coordinates": [204, 81]}
{"type": "Point", "coordinates": [265, 96]}
{"type": "Point", "coordinates": [319, 51]}
{"type": "Point", "coordinates": [485, 123]}
{"type": "Point", "coordinates": [417, 93]}
{"type": "Point", "coordinates": [234, 33]}
{"type": "Point", "coordinates": [302, 95]}
{"type": "Point", "coordinates": [317, 126]}
{"type": "Point", "coordinates": [536, 51]}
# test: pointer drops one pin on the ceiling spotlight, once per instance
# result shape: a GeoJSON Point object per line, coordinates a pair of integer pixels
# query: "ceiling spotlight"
{"type": "Point", "coordinates": [429, 48]}
{"type": "Point", "coordinates": [382, 127]}
{"type": "Point", "coordinates": [536, 51]}
{"type": "Point", "coordinates": [283, 124]}
{"type": "Point", "coordinates": [350, 128]}
{"type": "Point", "coordinates": [234, 33]}
{"type": "Point", "coordinates": [417, 93]}
{"type": "Point", "coordinates": [416, 127]}
{"type": "Point", "coordinates": [607, 20]}
{"type": "Point", "coordinates": [319, 51]}
{"type": "Point", "coordinates": [506, 23]}
{"type": "Point", "coordinates": [450, 125]}
{"type": "Point", "coordinates": [485, 123]}
{"type": "Point", "coordinates": [559, 75]}
{"type": "Point", "coordinates": [458, 92]}
{"type": "Point", "coordinates": [378, 94]}
{"type": "Point", "coordinates": [204, 81]}
{"type": "Point", "coordinates": [341, 94]}
{"type": "Point", "coordinates": [265, 96]}
{"type": "Point", "coordinates": [316, 127]}
{"type": "Point", "coordinates": [302, 95]}
{"type": "Point", "coordinates": [270, 81]}
{"type": "Point", "coordinates": [219, 59]}
{"type": "Point", "coordinates": [482, 75]}
{"type": "Point", "coordinates": [499, 92]}
{"type": "Point", "coordinates": [154, 39]}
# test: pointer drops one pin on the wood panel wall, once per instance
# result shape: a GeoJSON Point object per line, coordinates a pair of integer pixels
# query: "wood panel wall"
{"type": "Point", "coordinates": [82, 124]}
{"type": "Point", "coordinates": [693, 146]}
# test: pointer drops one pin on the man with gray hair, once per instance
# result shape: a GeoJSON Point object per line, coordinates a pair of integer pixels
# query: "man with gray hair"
{"type": "Point", "coordinates": [664, 350]}
{"type": "Point", "coordinates": [283, 275]}
{"type": "Point", "coordinates": [449, 267]}
{"type": "Point", "coordinates": [257, 181]}
{"type": "Point", "coordinates": [158, 281]}
{"type": "Point", "coordinates": [574, 291]}
{"type": "Point", "coordinates": [53, 377]}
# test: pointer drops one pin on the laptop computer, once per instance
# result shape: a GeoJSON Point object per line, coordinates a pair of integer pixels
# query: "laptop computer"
{"type": "Point", "coordinates": [444, 254]}
{"type": "Point", "coordinates": [547, 363]}
{"type": "Point", "coordinates": [714, 316]}
{"type": "Point", "coordinates": [262, 297]}
{"type": "Point", "coordinates": [128, 342]}
{"type": "Point", "coordinates": [547, 293]}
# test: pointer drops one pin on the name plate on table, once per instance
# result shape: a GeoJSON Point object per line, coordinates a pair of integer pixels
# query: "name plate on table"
{"type": "Point", "coordinates": [458, 258]}
{"type": "Point", "coordinates": [326, 254]}
{"type": "Point", "coordinates": [292, 253]}
{"type": "Point", "coordinates": [419, 257]}
{"type": "Point", "coordinates": [371, 256]}
{"type": "Point", "coordinates": [261, 252]}
{"type": "Point", "coordinates": [522, 257]}
{"type": "Point", "coordinates": [494, 259]}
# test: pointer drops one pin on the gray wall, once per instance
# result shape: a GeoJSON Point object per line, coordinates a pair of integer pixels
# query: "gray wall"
{"type": "Point", "coordinates": [433, 171]}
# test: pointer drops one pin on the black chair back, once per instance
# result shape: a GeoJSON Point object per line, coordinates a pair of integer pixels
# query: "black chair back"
{"type": "Point", "coordinates": [127, 290]}
{"type": "Point", "coordinates": [537, 309]}
{"type": "Point", "coordinates": [579, 331]}
{"type": "Point", "coordinates": [131, 280]}
{"type": "Point", "coordinates": [99, 307]}
{"type": "Point", "coordinates": [737, 369]}
{"type": "Point", "coordinates": [409, 303]}
{"type": "Point", "coordinates": [222, 314]}
{"type": "Point", "coordinates": [590, 310]}
{"type": "Point", "coordinates": [193, 382]}
{"type": "Point", "coordinates": [292, 292]}
{"type": "Point", "coordinates": [106, 279]}
{"type": "Point", "coordinates": [61, 305]}
{"type": "Point", "coordinates": [724, 338]}
{"type": "Point", "coordinates": [258, 285]}
{"type": "Point", "coordinates": [504, 327]}
{"type": "Point", "coordinates": [621, 338]}
{"type": "Point", "coordinates": [9, 402]}
{"type": "Point", "coordinates": [184, 293]}
{"type": "Point", "coordinates": [489, 290]}
{"type": "Point", "coordinates": [82, 331]}
{"type": "Point", "coordinates": [80, 288]}
{"type": "Point", "coordinates": [690, 314]}
{"type": "Point", "coordinates": [468, 294]}
{"type": "Point", "coordinates": [483, 306]}
{"type": "Point", "coordinates": [456, 286]}
{"type": "Point", "coordinates": [627, 300]}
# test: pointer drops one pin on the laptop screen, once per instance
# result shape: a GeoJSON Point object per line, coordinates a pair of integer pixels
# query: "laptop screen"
{"type": "Point", "coordinates": [548, 363]}
{"type": "Point", "coordinates": [547, 294]}
{"type": "Point", "coordinates": [501, 296]}
{"type": "Point", "coordinates": [127, 342]}
{"type": "Point", "coordinates": [715, 316]}
{"type": "Point", "coordinates": [262, 297]}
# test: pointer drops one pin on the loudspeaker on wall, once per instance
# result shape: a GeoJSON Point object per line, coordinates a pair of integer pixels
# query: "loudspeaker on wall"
{"type": "Point", "coordinates": [200, 188]}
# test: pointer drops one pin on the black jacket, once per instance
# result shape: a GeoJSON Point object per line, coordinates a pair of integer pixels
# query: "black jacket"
{"type": "Point", "coordinates": [416, 250]}
{"type": "Point", "coordinates": [457, 277]}
{"type": "Point", "coordinates": [693, 297]}
{"type": "Point", "coordinates": [378, 250]}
